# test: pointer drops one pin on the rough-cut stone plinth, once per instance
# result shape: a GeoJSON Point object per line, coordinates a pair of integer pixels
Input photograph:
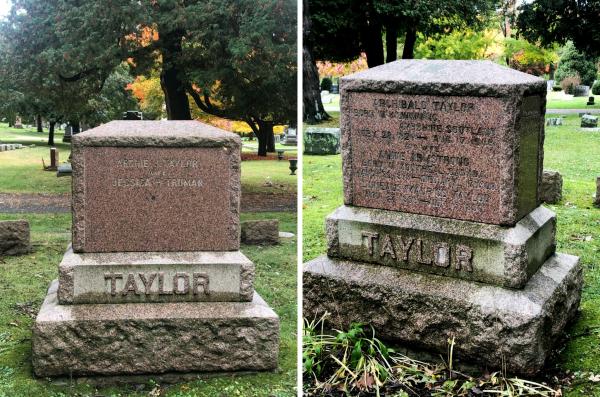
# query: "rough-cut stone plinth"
{"type": "Point", "coordinates": [505, 256]}
{"type": "Point", "coordinates": [138, 277]}
{"type": "Point", "coordinates": [454, 139]}
{"type": "Point", "coordinates": [264, 231]}
{"type": "Point", "coordinates": [146, 338]}
{"type": "Point", "coordinates": [490, 324]}
{"type": "Point", "coordinates": [551, 189]}
{"type": "Point", "coordinates": [14, 238]}
{"type": "Point", "coordinates": [156, 186]}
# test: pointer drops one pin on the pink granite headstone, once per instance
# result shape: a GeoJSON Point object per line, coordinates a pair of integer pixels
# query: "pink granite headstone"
{"type": "Point", "coordinates": [417, 138]}
{"type": "Point", "coordinates": [156, 186]}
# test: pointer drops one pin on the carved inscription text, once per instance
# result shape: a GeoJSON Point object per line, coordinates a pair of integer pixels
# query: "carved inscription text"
{"type": "Point", "coordinates": [153, 283]}
{"type": "Point", "coordinates": [420, 251]}
{"type": "Point", "coordinates": [424, 154]}
{"type": "Point", "coordinates": [157, 173]}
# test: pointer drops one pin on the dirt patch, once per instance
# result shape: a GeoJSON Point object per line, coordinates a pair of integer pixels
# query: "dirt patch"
{"type": "Point", "coordinates": [36, 203]}
{"type": "Point", "coordinates": [61, 203]}
{"type": "Point", "coordinates": [270, 156]}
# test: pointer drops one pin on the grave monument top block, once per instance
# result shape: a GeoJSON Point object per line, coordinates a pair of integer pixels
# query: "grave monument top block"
{"type": "Point", "coordinates": [460, 140]}
{"type": "Point", "coordinates": [156, 186]}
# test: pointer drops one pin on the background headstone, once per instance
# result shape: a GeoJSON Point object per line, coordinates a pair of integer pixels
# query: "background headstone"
{"type": "Point", "coordinates": [321, 140]}
{"type": "Point", "coordinates": [14, 238]}
{"type": "Point", "coordinates": [589, 121]}
{"type": "Point", "coordinates": [260, 231]}
{"type": "Point", "coordinates": [551, 189]}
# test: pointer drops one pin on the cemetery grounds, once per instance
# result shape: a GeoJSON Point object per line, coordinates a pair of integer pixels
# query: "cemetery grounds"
{"type": "Point", "coordinates": [567, 149]}
{"type": "Point", "coordinates": [24, 280]}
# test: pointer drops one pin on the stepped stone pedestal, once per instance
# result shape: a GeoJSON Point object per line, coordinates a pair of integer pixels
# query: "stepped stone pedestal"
{"type": "Point", "coordinates": [154, 282]}
{"type": "Point", "coordinates": [442, 234]}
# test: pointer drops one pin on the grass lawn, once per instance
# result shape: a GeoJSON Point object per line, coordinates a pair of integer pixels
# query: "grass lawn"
{"type": "Point", "coordinates": [252, 147]}
{"type": "Point", "coordinates": [25, 279]}
{"type": "Point", "coordinates": [558, 101]}
{"type": "Point", "coordinates": [576, 155]}
{"type": "Point", "coordinates": [21, 170]}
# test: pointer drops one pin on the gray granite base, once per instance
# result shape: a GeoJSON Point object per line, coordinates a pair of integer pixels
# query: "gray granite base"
{"type": "Point", "coordinates": [499, 255]}
{"type": "Point", "coordinates": [490, 324]}
{"type": "Point", "coordinates": [136, 277]}
{"type": "Point", "coordinates": [153, 338]}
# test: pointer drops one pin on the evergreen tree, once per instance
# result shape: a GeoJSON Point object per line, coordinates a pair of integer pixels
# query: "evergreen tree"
{"type": "Point", "coordinates": [574, 63]}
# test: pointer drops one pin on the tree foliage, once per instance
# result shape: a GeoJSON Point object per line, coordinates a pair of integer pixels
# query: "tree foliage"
{"type": "Point", "coordinates": [343, 29]}
{"type": "Point", "coordinates": [527, 57]}
{"type": "Point", "coordinates": [574, 63]}
{"type": "Point", "coordinates": [558, 21]}
{"type": "Point", "coordinates": [247, 61]}
{"type": "Point", "coordinates": [236, 59]}
{"type": "Point", "coordinates": [53, 77]}
{"type": "Point", "coordinates": [458, 44]}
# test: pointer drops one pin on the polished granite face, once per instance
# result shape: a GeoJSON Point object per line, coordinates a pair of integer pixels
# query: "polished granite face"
{"type": "Point", "coordinates": [442, 153]}
{"type": "Point", "coordinates": [164, 196]}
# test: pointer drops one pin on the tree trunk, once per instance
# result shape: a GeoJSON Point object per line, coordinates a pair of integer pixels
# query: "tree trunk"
{"type": "Point", "coordinates": [373, 43]}
{"type": "Point", "coordinates": [409, 43]}
{"type": "Point", "coordinates": [51, 133]}
{"type": "Point", "coordinates": [178, 106]}
{"type": "Point", "coordinates": [75, 127]}
{"type": "Point", "coordinates": [313, 109]}
{"type": "Point", "coordinates": [40, 126]}
{"type": "Point", "coordinates": [391, 42]}
{"type": "Point", "coordinates": [270, 140]}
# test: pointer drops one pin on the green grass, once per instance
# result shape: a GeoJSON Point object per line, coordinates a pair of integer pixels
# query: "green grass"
{"type": "Point", "coordinates": [21, 170]}
{"type": "Point", "coordinates": [25, 279]}
{"type": "Point", "coordinates": [333, 122]}
{"type": "Point", "coordinates": [268, 176]}
{"type": "Point", "coordinates": [252, 147]}
{"type": "Point", "coordinates": [555, 102]}
{"type": "Point", "coordinates": [576, 154]}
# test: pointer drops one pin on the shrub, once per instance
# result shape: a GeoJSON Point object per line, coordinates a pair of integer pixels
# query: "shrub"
{"type": "Point", "coordinates": [569, 83]}
{"type": "Point", "coordinates": [326, 84]}
{"type": "Point", "coordinates": [573, 62]}
{"type": "Point", "coordinates": [596, 88]}
{"type": "Point", "coordinates": [556, 87]}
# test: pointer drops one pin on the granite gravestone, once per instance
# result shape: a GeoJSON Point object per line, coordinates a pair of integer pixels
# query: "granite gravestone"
{"type": "Point", "coordinates": [442, 234]}
{"type": "Point", "coordinates": [321, 140]}
{"type": "Point", "coordinates": [154, 282]}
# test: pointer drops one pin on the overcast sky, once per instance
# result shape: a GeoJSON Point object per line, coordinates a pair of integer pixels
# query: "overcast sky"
{"type": "Point", "coordinates": [4, 7]}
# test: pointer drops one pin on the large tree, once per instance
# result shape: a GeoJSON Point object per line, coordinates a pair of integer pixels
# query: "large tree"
{"type": "Point", "coordinates": [314, 111]}
{"type": "Point", "coordinates": [57, 79]}
{"type": "Point", "coordinates": [243, 67]}
{"type": "Point", "coordinates": [236, 58]}
{"type": "Point", "coordinates": [341, 30]}
{"type": "Point", "coordinates": [550, 21]}
{"type": "Point", "coordinates": [344, 29]}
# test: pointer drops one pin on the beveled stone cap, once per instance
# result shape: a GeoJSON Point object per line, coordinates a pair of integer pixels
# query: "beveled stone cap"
{"type": "Point", "coordinates": [150, 133]}
{"type": "Point", "coordinates": [455, 77]}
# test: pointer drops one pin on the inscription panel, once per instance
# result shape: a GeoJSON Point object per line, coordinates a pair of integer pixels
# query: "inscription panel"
{"type": "Point", "coordinates": [159, 199]}
{"type": "Point", "coordinates": [431, 155]}
{"type": "Point", "coordinates": [157, 283]}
